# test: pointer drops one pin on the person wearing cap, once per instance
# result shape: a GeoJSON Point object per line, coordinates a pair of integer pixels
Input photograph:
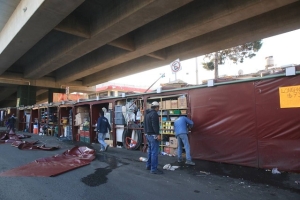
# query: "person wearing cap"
{"type": "Point", "coordinates": [181, 126]}
{"type": "Point", "coordinates": [151, 127]}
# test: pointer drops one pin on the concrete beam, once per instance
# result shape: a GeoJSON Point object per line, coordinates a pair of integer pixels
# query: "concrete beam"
{"type": "Point", "coordinates": [53, 43]}
{"type": "Point", "coordinates": [74, 25]}
{"type": "Point", "coordinates": [160, 54]}
{"type": "Point", "coordinates": [124, 42]}
{"type": "Point", "coordinates": [41, 91]}
{"type": "Point", "coordinates": [109, 24]}
{"type": "Point", "coordinates": [46, 82]}
{"type": "Point", "coordinates": [266, 25]}
{"type": "Point", "coordinates": [192, 20]}
{"type": "Point", "coordinates": [7, 92]}
{"type": "Point", "coordinates": [42, 101]}
{"type": "Point", "coordinates": [42, 97]}
{"type": "Point", "coordinates": [20, 16]}
{"type": "Point", "coordinates": [10, 101]}
{"type": "Point", "coordinates": [30, 22]}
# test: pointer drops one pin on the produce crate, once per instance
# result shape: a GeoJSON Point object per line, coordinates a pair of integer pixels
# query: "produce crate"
{"type": "Point", "coordinates": [82, 139]}
{"type": "Point", "coordinates": [87, 140]}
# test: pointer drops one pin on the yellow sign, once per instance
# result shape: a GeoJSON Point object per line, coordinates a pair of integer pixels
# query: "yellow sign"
{"type": "Point", "coordinates": [289, 96]}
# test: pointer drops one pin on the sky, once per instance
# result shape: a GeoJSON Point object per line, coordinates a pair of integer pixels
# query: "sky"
{"type": "Point", "coordinates": [284, 48]}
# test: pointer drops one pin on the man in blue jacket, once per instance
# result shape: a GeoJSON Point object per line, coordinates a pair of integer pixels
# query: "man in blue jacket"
{"type": "Point", "coordinates": [102, 127]}
{"type": "Point", "coordinates": [181, 126]}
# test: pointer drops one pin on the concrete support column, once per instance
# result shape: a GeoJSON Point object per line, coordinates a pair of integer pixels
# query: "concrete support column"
{"type": "Point", "coordinates": [54, 90]}
{"type": "Point", "coordinates": [26, 95]}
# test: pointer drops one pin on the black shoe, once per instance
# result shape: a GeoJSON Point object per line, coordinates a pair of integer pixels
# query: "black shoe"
{"type": "Point", "coordinates": [148, 168]}
{"type": "Point", "coordinates": [156, 172]}
{"type": "Point", "coordinates": [106, 147]}
{"type": "Point", "coordinates": [189, 162]}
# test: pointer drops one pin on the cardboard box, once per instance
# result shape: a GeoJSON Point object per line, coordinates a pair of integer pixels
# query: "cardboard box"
{"type": "Point", "coordinates": [174, 103]}
{"type": "Point", "coordinates": [82, 110]}
{"type": "Point", "coordinates": [173, 151]}
{"type": "Point", "coordinates": [183, 112]}
{"type": "Point", "coordinates": [86, 133]}
{"type": "Point", "coordinates": [168, 104]}
{"type": "Point", "coordinates": [182, 102]}
{"type": "Point", "coordinates": [82, 133]}
{"type": "Point", "coordinates": [170, 150]}
{"type": "Point", "coordinates": [109, 142]}
{"type": "Point", "coordinates": [80, 118]}
{"type": "Point", "coordinates": [173, 142]}
{"type": "Point", "coordinates": [162, 105]}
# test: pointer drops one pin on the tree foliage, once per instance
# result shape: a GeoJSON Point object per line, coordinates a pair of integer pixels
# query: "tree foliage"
{"type": "Point", "coordinates": [235, 54]}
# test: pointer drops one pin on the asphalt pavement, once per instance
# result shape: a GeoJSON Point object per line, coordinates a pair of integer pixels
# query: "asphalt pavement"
{"type": "Point", "coordinates": [118, 174]}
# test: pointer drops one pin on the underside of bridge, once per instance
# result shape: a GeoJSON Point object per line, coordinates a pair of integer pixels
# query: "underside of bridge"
{"type": "Point", "coordinates": [81, 43]}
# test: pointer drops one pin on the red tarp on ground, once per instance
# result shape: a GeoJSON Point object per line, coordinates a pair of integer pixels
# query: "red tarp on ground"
{"type": "Point", "coordinates": [243, 124]}
{"type": "Point", "coordinates": [55, 165]}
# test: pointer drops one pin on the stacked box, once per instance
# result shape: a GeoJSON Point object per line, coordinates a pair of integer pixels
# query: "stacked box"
{"type": "Point", "coordinates": [87, 140]}
{"type": "Point", "coordinates": [173, 142]}
{"type": "Point", "coordinates": [174, 104]}
{"type": "Point", "coordinates": [80, 118]}
{"type": "Point", "coordinates": [168, 104]}
{"type": "Point", "coordinates": [82, 110]}
{"type": "Point", "coordinates": [183, 112]}
{"type": "Point", "coordinates": [182, 102]}
{"type": "Point", "coordinates": [86, 133]}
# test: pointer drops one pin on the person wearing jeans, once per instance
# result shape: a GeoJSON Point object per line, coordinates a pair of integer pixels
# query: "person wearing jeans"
{"type": "Point", "coordinates": [153, 146]}
{"type": "Point", "coordinates": [102, 127]}
{"type": "Point", "coordinates": [151, 126]}
{"type": "Point", "coordinates": [181, 126]}
{"type": "Point", "coordinates": [103, 145]}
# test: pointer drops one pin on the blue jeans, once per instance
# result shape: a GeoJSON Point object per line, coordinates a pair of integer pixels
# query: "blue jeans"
{"type": "Point", "coordinates": [153, 146]}
{"type": "Point", "coordinates": [101, 138]}
{"type": "Point", "coordinates": [185, 140]}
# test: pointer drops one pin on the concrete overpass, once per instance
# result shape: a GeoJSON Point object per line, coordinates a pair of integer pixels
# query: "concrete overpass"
{"type": "Point", "coordinates": [81, 43]}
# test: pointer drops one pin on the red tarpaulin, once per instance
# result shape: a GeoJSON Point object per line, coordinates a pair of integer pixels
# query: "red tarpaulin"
{"type": "Point", "coordinates": [55, 165]}
{"type": "Point", "coordinates": [243, 124]}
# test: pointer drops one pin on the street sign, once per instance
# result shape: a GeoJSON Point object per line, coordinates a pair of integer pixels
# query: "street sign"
{"type": "Point", "coordinates": [176, 66]}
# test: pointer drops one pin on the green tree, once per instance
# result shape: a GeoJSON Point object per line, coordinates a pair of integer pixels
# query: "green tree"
{"type": "Point", "coordinates": [235, 54]}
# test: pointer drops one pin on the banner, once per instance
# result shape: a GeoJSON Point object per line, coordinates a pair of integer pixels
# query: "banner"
{"type": "Point", "coordinates": [175, 66]}
{"type": "Point", "coordinates": [58, 97]}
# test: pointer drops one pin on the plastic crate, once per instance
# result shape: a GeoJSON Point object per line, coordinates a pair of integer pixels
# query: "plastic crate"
{"type": "Point", "coordinates": [118, 108]}
{"type": "Point", "coordinates": [119, 121]}
{"type": "Point", "coordinates": [119, 115]}
{"type": "Point", "coordinates": [176, 112]}
{"type": "Point", "coordinates": [87, 140]}
{"type": "Point", "coordinates": [82, 139]}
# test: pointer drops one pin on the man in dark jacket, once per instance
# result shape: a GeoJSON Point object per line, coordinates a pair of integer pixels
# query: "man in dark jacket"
{"type": "Point", "coordinates": [102, 127]}
{"type": "Point", "coordinates": [11, 122]}
{"type": "Point", "coordinates": [151, 126]}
